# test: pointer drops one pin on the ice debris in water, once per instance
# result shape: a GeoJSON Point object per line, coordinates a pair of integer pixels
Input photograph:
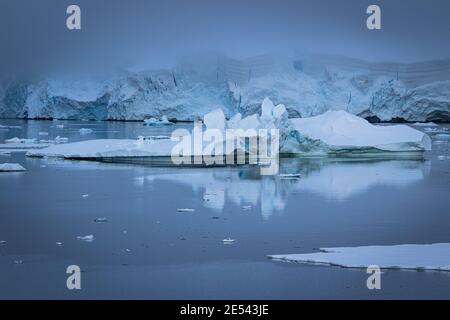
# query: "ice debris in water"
{"type": "Point", "coordinates": [2, 243]}
{"type": "Point", "coordinates": [59, 244]}
{"type": "Point", "coordinates": [11, 167]}
{"type": "Point", "coordinates": [43, 133]}
{"type": "Point", "coordinates": [157, 122]}
{"type": "Point", "coordinates": [85, 196]}
{"type": "Point", "coordinates": [246, 207]}
{"type": "Point", "coordinates": [228, 241]}
{"type": "Point", "coordinates": [85, 131]}
{"type": "Point", "coordinates": [442, 158]}
{"type": "Point", "coordinates": [185, 210]}
{"type": "Point", "coordinates": [88, 238]}
{"type": "Point", "coordinates": [20, 140]}
{"type": "Point", "coordinates": [101, 220]}
{"type": "Point", "coordinates": [60, 126]}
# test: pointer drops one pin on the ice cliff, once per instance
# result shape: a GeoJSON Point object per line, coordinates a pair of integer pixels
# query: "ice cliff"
{"type": "Point", "coordinates": [306, 86]}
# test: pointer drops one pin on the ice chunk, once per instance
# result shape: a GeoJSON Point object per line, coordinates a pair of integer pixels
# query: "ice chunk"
{"type": "Point", "coordinates": [228, 241]}
{"type": "Point", "coordinates": [20, 140]}
{"type": "Point", "coordinates": [406, 256]}
{"type": "Point", "coordinates": [340, 132]}
{"type": "Point", "coordinates": [43, 133]}
{"type": "Point", "coordinates": [215, 120]}
{"type": "Point", "coordinates": [4, 167]}
{"type": "Point", "coordinates": [88, 238]}
{"type": "Point", "coordinates": [85, 131]}
{"type": "Point", "coordinates": [425, 124]}
{"type": "Point", "coordinates": [234, 121]}
{"type": "Point", "coordinates": [155, 122]}
{"type": "Point", "coordinates": [267, 108]}
{"type": "Point", "coordinates": [100, 220]}
{"type": "Point", "coordinates": [185, 210]}
{"type": "Point", "coordinates": [2, 243]}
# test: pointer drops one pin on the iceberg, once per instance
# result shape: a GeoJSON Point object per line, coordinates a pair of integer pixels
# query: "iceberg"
{"type": "Point", "coordinates": [405, 256]}
{"type": "Point", "coordinates": [11, 167]}
{"type": "Point", "coordinates": [155, 122]}
{"type": "Point", "coordinates": [339, 133]}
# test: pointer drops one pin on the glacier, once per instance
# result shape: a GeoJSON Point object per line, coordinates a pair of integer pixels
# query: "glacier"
{"type": "Point", "coordinates": [305, 85]}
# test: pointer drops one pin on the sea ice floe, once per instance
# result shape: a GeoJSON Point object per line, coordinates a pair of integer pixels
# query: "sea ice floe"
{"type": "Point", "coordinates": [228, 241]}
{"type": "Point", "coordinates": [157, 122]}
{"type": "Point", "coordinates": [425, 124]}
{"type": "Point", "coordinates": [11, 167]}
{"type": "Point", "coordinates": [85, 131]}
{"type": "Point", "coordinates": [406, 256]}
{"type": "Point", "coordinates": [88, 238]}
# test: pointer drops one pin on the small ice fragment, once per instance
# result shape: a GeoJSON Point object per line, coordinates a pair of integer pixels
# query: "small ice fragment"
{"type": "Point", "coordinates": [124, 231]}
{"type": "Point", "coordinates": [59, 244]}
{"type": "Point", "coordinates": [2, 243]}
{"type": "Point", "coordinates": [60, 126]}
{"type": "Point", "coordinates": [290, 175]}
{"type": "Point", "coordinates": [101, 220]}
{"type": "Point", "coordinates": [85, 195]}
{"type": "Point", "coordinates": [88, 238]}
{"type": "Point", "coordinates": [85, 130]}
{"type": "Point", "coordinates": [18, 261]}
{"type": "Point", "coordinates": [441, 158]}
{"type": "Point", "coordinates": [43, 133]}
{"type": "Point", "coordinates": [246, 207]}
{"type": "Point", "coordinates": [185, 210]}
{"type": "Point", "coordinates": [228, 241]}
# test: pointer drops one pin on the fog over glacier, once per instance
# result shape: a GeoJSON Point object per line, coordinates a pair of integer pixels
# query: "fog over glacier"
{"type": "Point", "coordinates": [183, 59]}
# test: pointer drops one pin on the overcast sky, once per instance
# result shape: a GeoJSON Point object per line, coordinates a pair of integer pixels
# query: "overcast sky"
{"type": "Point", "coordinates": [155, 33]}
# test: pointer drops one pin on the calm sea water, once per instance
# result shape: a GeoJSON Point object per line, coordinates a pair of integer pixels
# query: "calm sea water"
{"type": "Point", "coordinates": [148, 249]}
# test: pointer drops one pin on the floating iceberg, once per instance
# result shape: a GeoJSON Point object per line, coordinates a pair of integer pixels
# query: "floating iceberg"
{"type": "Point", "coordinates": [407, 256]}
{"type": "Point", "coordinates": [85, 131]}
{"type": "Point", "coordinates": [334, 133]}
{"type": "Point", "coordinates": [88, 238]}
{"type": "Point", "coordinates": [339, 133]}
{"type": "Point", "coordinates": [155, 122]}
{"type": "Point", "coordinates": [11, 167]}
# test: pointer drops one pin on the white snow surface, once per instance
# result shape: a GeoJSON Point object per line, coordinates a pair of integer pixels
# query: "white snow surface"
{"type": "Point", "coordinates": [405, 256]}
{"type": "Point", "coordinates": [7, 167]}
{"type": "Point", "coordinates": [342, 130]}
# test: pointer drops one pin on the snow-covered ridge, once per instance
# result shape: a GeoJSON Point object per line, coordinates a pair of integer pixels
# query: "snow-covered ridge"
{"type": "Point", "coordinates": [306, 86]}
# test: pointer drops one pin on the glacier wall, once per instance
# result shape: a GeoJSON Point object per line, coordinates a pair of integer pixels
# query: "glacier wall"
{"type": "Point", "coordinates": [307, 86]}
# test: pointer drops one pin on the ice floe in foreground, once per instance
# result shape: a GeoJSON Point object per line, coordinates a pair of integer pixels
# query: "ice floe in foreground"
{"type": "Point", "coordinates": [406, 256]}
{"type": "Point", "coordinates": [11, 167]}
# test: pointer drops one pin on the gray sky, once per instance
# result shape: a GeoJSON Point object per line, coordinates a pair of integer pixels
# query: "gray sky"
{"type": "Point", "coordinates": [155, 33]}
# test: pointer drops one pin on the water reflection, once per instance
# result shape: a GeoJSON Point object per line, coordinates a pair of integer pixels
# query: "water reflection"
{"type": "Point", "coordinates": [331, 179]}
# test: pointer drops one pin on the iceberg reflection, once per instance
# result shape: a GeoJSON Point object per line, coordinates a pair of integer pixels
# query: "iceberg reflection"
{"type": "Point", "coordinates": [332, 179]}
